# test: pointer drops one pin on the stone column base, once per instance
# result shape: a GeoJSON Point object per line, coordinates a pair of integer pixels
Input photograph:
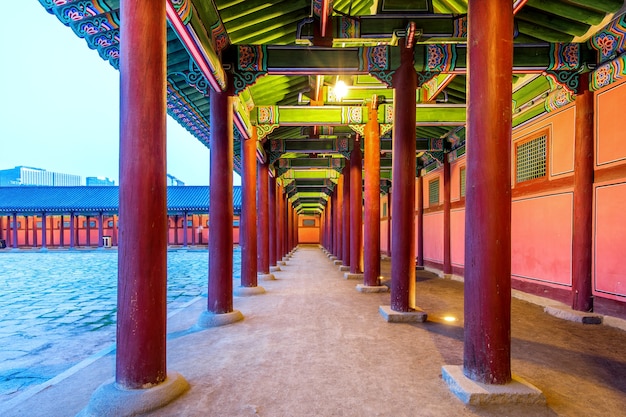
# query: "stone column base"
{"type": "Point", "coordinates": [518, 391]}
{"type": "Point", "coordinates": [110, 399]}
{"type": "Point", "coordinates": [337, 262]}
{"type": "Point", "coordinates": [275, 268]}
{"type": "Point", "coordinates": [265, 277]}
{"type": "Point", "coordinates": [371, 288]}
{"type": "Point", "coordinates": [208, 319]}
{"type": "Point", "coordinates": [344, 268]}
{"type": "Point", "coordinates": [349, 275]}
{"type": "Point", "coordinates": [248, 291]}
{"type": "Point", "coordinates": [391, 316]}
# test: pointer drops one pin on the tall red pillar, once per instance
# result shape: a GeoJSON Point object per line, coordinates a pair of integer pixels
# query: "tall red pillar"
{"type": "Point", "coordinates": [403, 179]}
{"type": "Point", "coordinates": [44, 231]}
{"type": "Point", "coordinates": [327, 224]}
{"type": "Point", "coordinates": [142, 264]}
{"type": "Point", "coordinates": [73, 232]}
{"type": "Point", "coordinates": [389, 196]}
{"type": "Point", "coordinates": [185, 229]}
{"type": "Point", "coordinates": [248, 237]}
{"type": "Point", "coordinates": [420, 220]}
{"type": "Point", "coordinates": [263, 247]}
{"type": "Point", "coordinates": [345, 231]}
{"type": "Point", "coordinates": [371, 252]}
{"type": "Point", "coordinates": [356, 208]}
{"type": "Point", "coordinates": [339, 217]}
{"type": "Point", "coordinates": [280, 224]}
{"type": "Point", "coordinates": [289, 227]}
{"type": "Point", "coordinates": [14, 231]}
{"type": "Point", "coordinates": [582, 295]}
{"type": "Point", "coordinates": [447, 260]}
{"type": "Point", "coordinates": [487, 341]}
{"type": "Point", "coordinates": [273, 224]}
{"type": "Point", "coordinates": [100, 229]}
{"type": "Point", "coordinates": [220, 290]}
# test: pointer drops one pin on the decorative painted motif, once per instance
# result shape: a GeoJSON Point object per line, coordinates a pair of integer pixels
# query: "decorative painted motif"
{"type": "Point", "coordinates": [611, 41]}
{"type": "Point", "coordinates": [609, 73]}
{"type": "Point", "coordinates": [424, 77]}
{"type": "Point", "coordinates": [349, 28]}
{"type": "Point", "coordinates": [564, 56]}
{"type": "Point", "coordinates": [264, 130]}
{"type": "Point", "coordinates": [95, 25]}
{"type": "Point", "coordinates": [440, 57]}
{"type": "Point", "coordinates": [184, 9]}
{"type": "Point", "coordinates": [103, 39]}
{"type": "Point", "coordinates": [343, 146]}
{"type": "Point", "coordinates": [360, 129]}
{"type": "Point", "coordinates": [558, 99]}
{"type": "Point", "coordinates": [251, 64]}
{"type": "Point", "coordinates": [429, 88]}
{"type": "Point", "coordinates": [267, 114]}
{"type": "Point", "coordinates": [219, 37]}
{"type": "Point", "coordinates": [375, 60]}
{"type": "Point", "coordinates": [352, 115]}
{"type": "Point", "coordinates": [566, 79]}
{"type": "Point", "coordinates": [317, 7]}
{"type": "Point", "coordinates": [194, 78]}
{"type": "Point", "coordinates": [336, 164]}
{"type": "Point", "coordinates": [73, 12]}
{"type": "Point", "coordinates": [460, 27]}
{"type": "Point", "coordinates": [252, 58]}
{"type": "Point", "coordinates": [111, 54]}
{"type": "Point", "coordinates": [385, 128]}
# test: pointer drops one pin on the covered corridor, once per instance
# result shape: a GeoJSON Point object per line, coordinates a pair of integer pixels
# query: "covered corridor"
{"type": "Point", "coordinates": [313, 346]}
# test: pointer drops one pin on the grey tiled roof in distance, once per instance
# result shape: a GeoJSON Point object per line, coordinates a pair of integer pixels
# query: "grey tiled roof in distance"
{"type": "Point", "coordinates": [26, 199]}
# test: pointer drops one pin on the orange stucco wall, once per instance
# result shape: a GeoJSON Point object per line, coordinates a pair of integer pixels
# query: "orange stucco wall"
{"type": "Point", "coordinates": [308, 233]}
{"type": "Point", "coordinates": [534, 255]}
{"type": "Point", "coordinates": [610, 240]}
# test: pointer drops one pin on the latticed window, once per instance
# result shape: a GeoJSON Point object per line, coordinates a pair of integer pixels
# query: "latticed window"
{"type": "Point", "coordinates": [433, 192]}
{"type": "Point", "coordinates": [463, 182]}
{"type": "Point", "coordinates": [531, 159]}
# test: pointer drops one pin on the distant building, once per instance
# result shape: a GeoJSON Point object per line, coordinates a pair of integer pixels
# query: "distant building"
{"type": "Point", "coordinates": [99, 181]}
{"type": "Point", "coordinates": [22, 175]}
{"type": "Point", "coordinates": [172, 180]}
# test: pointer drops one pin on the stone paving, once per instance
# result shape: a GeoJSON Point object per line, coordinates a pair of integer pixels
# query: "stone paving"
{"type": "Point", "coordinates": [58, 307]}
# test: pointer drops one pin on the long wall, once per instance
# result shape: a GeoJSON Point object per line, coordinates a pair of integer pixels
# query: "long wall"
{"type": "Point", "coordinates": [542, 208]}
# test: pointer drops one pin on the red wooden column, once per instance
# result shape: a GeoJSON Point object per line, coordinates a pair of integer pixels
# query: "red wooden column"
{"type": "Point", "coordinates": [248, 218]}
{"type": "Point", "coordinates": [389, 196]}
{"type": "Point", "coordinates": [371, 252]}
{"type": "Point", "coordinates": [333, 222]}
{"type": "Point", "coordinates": [356, 208]}
{"type": "Point", "coordinates": [487, 343]}
{"type": "Point", "coordinates": [142, 263]}
{"type": "Point", "coordinates": [403, 179]}
{"type": "Point", "coordinates": [327, 221]}
{"type": "Point", "coordinates": [345, 230]}
{"type": "Point", "coordinates": [14, 232]}
{"type": "Point", "coordinates": [582, 296]}
{"type": "Point", "coordinates": [220, 290]}
{"type": "Point", "coordinates": [263, 246]}
{"type": "Point", "coordinates": [273, 224]}
{"type": "Point", "coordinates": [281, 222]}
{"type": "Point", "coordinates": [447, 261]}
{"type": "Point", "coordinates": [185, 229]}
{"type": "Point", "coordinates": [289, 228]}
{"type": "Point", "coordinates": [100, 230]}
{"type": "Point", "coordinates": [72, 232]}
{"type": "Point", "coordinates": [44, 230]}
{"type": "Point", "coordinates": [339, 217]}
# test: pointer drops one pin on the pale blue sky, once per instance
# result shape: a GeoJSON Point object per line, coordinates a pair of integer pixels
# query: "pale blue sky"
{"type": "Point", "coordinates": [60, 104]}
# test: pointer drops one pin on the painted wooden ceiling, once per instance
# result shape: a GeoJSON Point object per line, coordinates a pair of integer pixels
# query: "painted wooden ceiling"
{"type": "Point", "coordinates": [298, 87]}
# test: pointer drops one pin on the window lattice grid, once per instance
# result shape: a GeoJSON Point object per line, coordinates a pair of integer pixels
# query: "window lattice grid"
{"type": "Point", "coordinates": [463, 182]}
{"type": "Point", "coordinates": [531, 159]}
{"type": "Point", "coordinates": [433, 192]}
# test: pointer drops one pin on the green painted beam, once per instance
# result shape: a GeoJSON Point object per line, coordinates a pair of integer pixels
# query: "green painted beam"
{"type": "Point", "coordinates": [426, 115]}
